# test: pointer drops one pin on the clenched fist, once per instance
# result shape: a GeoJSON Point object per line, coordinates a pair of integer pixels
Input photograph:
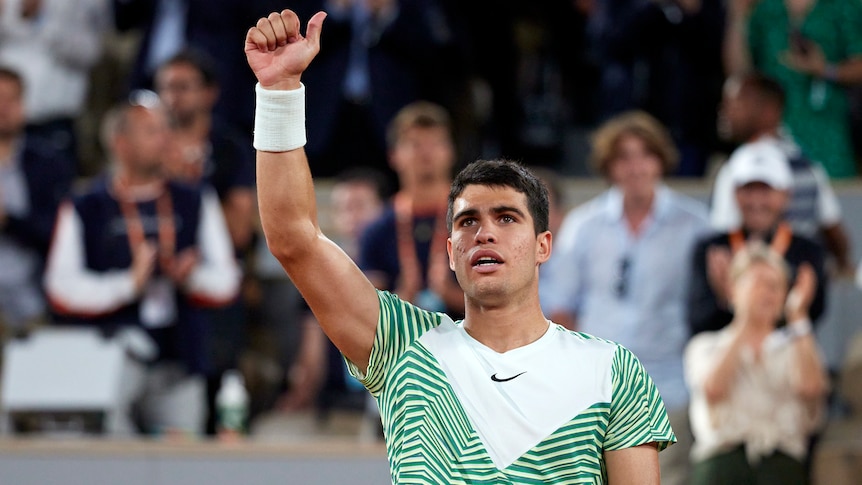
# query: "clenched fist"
{"type": "Point", "coordinates": [276, 51]}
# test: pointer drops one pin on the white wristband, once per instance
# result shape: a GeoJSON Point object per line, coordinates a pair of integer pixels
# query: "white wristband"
{"type": "Point", "coordinates": [279, 119]}
{"type": "Point", "coordinates": [799, 328]}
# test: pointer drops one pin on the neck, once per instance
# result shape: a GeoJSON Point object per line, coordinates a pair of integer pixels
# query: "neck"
{"type": "Point", "coordinates": [506, 326]}
{"type": "Point", "coordinates": [762, 234]}
{"type": "Point", "coordinates": [427, 195]}
{"type": "Point", "coordinates": [138, 180]}
{"type": "Point", "coordinates": [636, 209]}
{"type": "Point", "coordinates": [754, 331]}
{"type": "Point", "coordinates": [197, 129]}
{"type": "Point", "coordinates": [764, 133]}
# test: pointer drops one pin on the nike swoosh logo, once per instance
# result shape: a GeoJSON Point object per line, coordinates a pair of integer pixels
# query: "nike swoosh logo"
{"type": "Point", "coordinates": [502, 379]}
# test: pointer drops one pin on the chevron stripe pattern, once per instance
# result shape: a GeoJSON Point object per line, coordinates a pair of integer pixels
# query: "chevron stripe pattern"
{"type": "Point", "coordinates": [430, 439]}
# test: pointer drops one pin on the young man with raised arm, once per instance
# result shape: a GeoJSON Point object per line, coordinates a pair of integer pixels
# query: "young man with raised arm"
{"type": "Point", "coordinates": [503, 396]}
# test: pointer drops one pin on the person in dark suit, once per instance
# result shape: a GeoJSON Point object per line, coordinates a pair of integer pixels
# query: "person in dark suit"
{"type": "Point", "coordinates": [33, 180]}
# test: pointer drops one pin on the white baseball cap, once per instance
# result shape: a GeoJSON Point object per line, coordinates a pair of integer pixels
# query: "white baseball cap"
{"type": "Point", "coordinates": [761, 161]}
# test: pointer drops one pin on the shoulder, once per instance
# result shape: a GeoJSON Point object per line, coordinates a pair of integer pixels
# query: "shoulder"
{"type": "Point", "coordinates": [806, 244]}
{"type": "Point", "coordinates": [720, 239]}
{"type": "Point", "coordinates": [589, 214]}
{"type": "Point", "coordinates": [689, 208]}
{"type": "Point", "coordinates": [385, 224]}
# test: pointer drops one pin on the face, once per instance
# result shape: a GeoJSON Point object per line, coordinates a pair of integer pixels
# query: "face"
{"type": "Point", "coordinates": [181, 88]}
{"type": "Point", "coordinates": [761, 206]}
{"type": "Point", "coordinates": [423, 155]}
{"type": "Point", "coordinates": [11, 108]}
{"type": "Point", "coordinates": [143, 145]}
{"type": "Point", "coordinates": [635, 170]}
{"type": "Point", "coordinates": [737, 116]}
{"type": "Point", "coordinates": [354, 206]}
{"type": "Point", "coordinates": [759, 293]}
{"type": "Point", "coordinates": [494, 249]}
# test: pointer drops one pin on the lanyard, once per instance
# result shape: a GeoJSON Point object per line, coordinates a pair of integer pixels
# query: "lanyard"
{"type": "Point", "coordinates": [408, 260]}
{"type": "Point", "coordinates": [780, 240]}
{"type": "Point", "coordinates": [167, 233]}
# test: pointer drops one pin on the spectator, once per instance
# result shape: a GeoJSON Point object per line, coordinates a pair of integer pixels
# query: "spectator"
{"type": "Point", "coordinates": [761, 179]}
{"type": "Point", "coordinates": [405, 249]}
{"type": "Point", "coordinates": [53, 44]}
{"type": "Point", "coordinates": [814, 49]}
{"type": "Point", "coordinates": [380, 56]}
{"type": "Point", "coordinates": [207, 150]}
{"type": "Point", "coordinates": [751, 111]}
{"type": "Point", "coordinates": [758, 392]}
{"type": "Point", "coordinates": [615, 277]}
{"type": "Point", "coordinates": [33, 180]}
{"type": "Point", "coordinates": [136, 253]}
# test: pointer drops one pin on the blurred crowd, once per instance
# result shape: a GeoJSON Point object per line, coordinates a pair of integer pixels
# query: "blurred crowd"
{"type": "Point", "coordinates": [127, 193]}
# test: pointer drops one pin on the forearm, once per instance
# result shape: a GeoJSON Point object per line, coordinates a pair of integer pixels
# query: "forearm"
{"type": "Point", "coordinates": [285, 190]}
{"type": "Point", "coordinates": [718, 382]}
{"type": "Point", "coordinates": [736, 57]}
{"type": "Point", "coordinates": [848, 72]}
{"type": "Point", "coordinates": [811, 382]}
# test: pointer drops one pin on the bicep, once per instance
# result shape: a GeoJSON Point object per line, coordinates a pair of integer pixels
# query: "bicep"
{"type": "Point", "coordinates": [637, 465]}
{"type": "Point", "coordinates": [340, 296]}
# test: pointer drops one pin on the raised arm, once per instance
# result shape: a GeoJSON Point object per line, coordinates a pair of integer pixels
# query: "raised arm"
{"type": "Point", "coordinates": [342, 299]}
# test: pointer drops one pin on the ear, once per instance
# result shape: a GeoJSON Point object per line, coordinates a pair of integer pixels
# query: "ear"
{"type": "Point", "coordinates": [544, 243]}
{"type": "Point", "coordinates": [449, 252]}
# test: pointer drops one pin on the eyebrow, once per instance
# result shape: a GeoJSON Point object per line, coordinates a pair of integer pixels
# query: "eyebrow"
{"type": "Point", "coordinates": [494, 210]}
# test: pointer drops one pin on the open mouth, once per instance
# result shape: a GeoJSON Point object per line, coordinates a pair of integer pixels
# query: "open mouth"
{"type": "Point", "coordinates": [486, 262]}
{"type": "Point", "coordinates": [485, 259]}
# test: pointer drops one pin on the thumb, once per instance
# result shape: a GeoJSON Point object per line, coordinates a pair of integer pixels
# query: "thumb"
{"type": "Point", "coordinates": [315, 25]}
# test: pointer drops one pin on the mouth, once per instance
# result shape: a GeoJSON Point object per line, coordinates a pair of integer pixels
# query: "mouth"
{"type": "Point", "coordinates": [486, 260]}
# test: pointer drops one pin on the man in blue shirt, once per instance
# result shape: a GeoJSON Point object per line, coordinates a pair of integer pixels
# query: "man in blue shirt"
{"type": "Point", "coordinates": [622, 262]}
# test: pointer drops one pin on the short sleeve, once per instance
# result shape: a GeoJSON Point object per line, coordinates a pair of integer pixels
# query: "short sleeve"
{"type": "Point", "coordinates": [724, 213]}
{"type": "Point", "coordinates": [399, 325]}
{"type": "Point", "coordinates": [637, 414]}
{"type": "Point", "coordinates": [828, 207]}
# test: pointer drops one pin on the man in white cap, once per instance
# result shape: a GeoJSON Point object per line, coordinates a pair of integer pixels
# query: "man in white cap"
{"type": "Point", "coordinates": [762, 180]}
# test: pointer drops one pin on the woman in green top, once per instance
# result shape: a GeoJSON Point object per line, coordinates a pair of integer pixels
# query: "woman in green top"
{"type": "Point", "coordinates": [814, 49]}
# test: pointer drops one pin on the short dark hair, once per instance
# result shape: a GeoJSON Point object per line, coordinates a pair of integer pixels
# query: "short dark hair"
{"type": "Point", "coordinates": [12, 75]}
{"type": "Point", "coordinates": [200, 61]}
{"type": "Point", "coordinates": [503, 173]}
{"type": "Point", "coordinates": [767, 88]}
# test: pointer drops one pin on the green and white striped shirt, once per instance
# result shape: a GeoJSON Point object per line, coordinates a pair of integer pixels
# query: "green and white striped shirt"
{"type": "Point", "coordinates": [456, 412]}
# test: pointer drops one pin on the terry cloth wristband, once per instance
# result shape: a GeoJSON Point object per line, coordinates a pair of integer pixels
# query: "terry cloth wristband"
{"type": "Point", "coordinates": [279, 119]}
{"type": "Point", "coordinates": [799, 328]}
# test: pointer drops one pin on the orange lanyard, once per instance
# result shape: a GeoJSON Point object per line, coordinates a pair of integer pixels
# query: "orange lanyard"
{"type": "Point", "coordinates": [408, 260]}
{"type": "Point", "coordinates": [780, 241]}
{"type": "Point", "coordinates": [167, 233]}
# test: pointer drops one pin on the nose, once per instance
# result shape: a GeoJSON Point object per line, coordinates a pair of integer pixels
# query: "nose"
{"type": "Point", "coordinates": [485, 234]}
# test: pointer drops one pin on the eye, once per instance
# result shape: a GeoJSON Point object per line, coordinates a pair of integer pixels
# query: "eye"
{"type": "Point", "coordinates": [507, 219]}
{"type": "Point", "coordinates": [467, 221]}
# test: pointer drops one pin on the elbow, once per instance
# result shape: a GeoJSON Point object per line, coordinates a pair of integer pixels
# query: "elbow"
{"type": "Point", "coordinates": [714, 393]}
{"type": "Point", "coordinates": [812, 389]}
{"type": "Point", "coordinates": [290, 243]}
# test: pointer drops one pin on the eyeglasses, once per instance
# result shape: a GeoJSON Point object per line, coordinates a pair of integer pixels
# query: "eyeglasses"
{"type": "Point", "coordinates": [621, 284]}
